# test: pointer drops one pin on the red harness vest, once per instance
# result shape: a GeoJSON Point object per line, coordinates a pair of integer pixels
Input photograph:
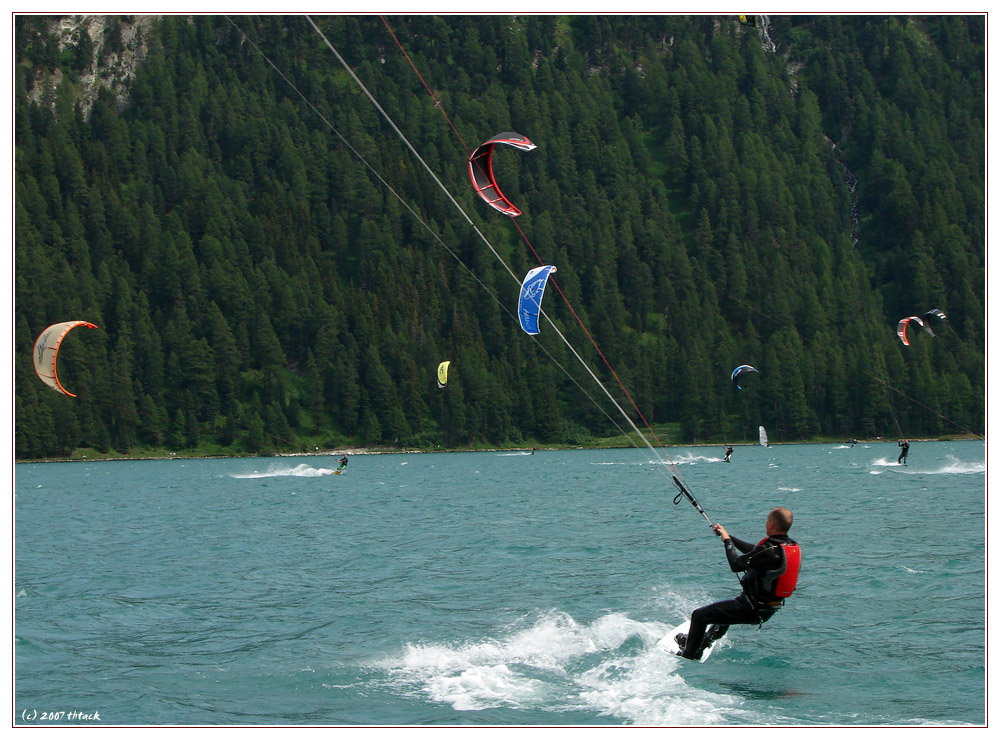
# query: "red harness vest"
{"type": "Point", "coordinates": [784, 580]}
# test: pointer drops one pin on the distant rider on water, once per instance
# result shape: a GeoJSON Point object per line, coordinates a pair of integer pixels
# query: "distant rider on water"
{"type": "Point", "coordinates": [905, 444]}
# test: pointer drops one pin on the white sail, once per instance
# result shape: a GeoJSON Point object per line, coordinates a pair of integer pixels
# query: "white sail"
{"type": "Point", "coordinates": [763, 437]}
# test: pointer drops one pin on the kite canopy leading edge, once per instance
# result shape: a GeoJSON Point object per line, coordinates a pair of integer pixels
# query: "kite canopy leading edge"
{"type": "Point", "coordinates": [741, 370]}
{"type": "Point", "coordinates": [481, 170]}
{"type": "Point", "coordinates": [530, 302]}
{"type": "Point", "coordinates": [442, 374]}
{"type": "Point", "coordinates": [47, 349]}
{"type": "Point", "coordinates": [901, 327]}
{"type": "Point", "coordinates": [934, 313]}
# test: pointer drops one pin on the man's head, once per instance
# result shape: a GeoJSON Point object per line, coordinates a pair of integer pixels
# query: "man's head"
{"type": "Point", "coordinates": [779, 521]}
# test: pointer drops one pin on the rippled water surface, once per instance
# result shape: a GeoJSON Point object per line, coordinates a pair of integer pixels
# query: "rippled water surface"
{"type": "Point", "coordinates": [496, 588]}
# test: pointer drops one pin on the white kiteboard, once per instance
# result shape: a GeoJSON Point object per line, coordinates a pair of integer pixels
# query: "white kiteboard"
{"type": "Point", "coordinates": [669, 645]}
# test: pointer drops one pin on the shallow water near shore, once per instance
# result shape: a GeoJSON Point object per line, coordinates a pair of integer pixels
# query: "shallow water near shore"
{"type": "Point", "coordinates": [497, 588]}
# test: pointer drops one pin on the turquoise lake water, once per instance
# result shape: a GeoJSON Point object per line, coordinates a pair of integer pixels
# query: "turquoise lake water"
{"type": "Point", "coordinates": [495, 588]}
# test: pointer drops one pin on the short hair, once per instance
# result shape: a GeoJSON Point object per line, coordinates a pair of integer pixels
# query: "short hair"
{"type": "Point", "coordinates": [782, 518]}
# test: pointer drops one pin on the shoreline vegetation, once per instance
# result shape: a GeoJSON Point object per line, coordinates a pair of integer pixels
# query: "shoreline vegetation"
{"type": "Point", "coordinates": [258, 290]}
{"type": "Point", "coordinates": [90, 455]}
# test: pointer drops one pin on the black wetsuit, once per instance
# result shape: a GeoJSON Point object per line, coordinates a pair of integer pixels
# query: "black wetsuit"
{"type": "Point", "coordinates": [762, 564]}
{"type": "Point", "coordinates": [904, 453]}
{"type": "Point", "coordinates": [729, 453]}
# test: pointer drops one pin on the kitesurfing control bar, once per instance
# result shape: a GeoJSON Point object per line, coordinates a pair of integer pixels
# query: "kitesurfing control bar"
{"type": "Point", "coordinates": [685, 492]}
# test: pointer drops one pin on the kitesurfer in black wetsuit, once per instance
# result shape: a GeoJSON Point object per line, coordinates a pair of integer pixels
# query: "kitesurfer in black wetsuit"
{"type": "Point", "coordinates": [905, 444]}
{"type": "Point", "coordinates": [729, 453]}
{"type": "Point", "coordinates": [771, 570]}
{"type": "Point", "coordinates": [343, 464]}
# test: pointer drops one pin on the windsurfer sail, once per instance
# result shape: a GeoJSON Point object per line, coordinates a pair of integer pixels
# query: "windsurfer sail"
{"type": "Point", "coordinates": [762, 437]}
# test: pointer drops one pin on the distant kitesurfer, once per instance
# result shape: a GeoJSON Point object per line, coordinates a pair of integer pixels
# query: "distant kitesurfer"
{"type": "Point", "coordinates": [905, 444]}
{"type": "Point", "coordinates": [771, 570]}
{"type": "Point", "coordinates": [343, 464]}
{"type": "Point", "coordinates": [729, 453]}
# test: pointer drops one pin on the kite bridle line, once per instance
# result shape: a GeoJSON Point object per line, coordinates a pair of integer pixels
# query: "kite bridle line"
{"type": "Point", "coordinates": [437, 103]}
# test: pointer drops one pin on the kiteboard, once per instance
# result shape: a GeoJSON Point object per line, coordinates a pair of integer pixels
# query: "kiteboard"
{"type": "Point", "coordinates": [669, 645]}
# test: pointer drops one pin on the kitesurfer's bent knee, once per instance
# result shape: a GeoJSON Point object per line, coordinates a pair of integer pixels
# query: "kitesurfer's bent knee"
{"type": "Point", "coordinates": [723, 613]}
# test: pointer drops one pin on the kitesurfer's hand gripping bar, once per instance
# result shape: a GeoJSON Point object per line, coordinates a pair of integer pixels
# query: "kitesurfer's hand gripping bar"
{"type": "Point", "coordinates": [685, 492]}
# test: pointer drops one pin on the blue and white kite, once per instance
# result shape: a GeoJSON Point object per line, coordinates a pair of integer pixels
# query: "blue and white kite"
{"type": "Point", "coordinates": [741, 370]}
{"type": "Point", "coordinates": [530, 302]}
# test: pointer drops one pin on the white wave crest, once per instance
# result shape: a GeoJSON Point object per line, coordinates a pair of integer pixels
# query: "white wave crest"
{"type": "Point", "coordinates": [692, 459]}
{"type": "Point", "coordinates": [954, 466]}
{"type": "Point", "coordinates": [957, 466]}
{"type": "Point", "coordinates": [557, 664]}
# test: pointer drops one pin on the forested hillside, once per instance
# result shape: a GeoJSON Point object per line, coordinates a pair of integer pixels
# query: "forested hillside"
{"type": "Point", "coordinates": [709, 201]}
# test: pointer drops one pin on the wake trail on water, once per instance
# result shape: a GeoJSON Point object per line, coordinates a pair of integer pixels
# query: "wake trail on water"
{"type": "Point", "coordinates": [686, 460]}
{"type": "Point", "coordinates": [954, 466]}
{"type": "Point", "coordinates": [556, 664]}
{"type": "Point", "coordinates": [692, 459]}
{"type": "Point", "coordinates": [278, 470]}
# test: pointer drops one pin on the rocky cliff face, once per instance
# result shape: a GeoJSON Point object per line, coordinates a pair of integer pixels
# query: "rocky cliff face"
{"type": "Point", "coordinates": [117, 46]}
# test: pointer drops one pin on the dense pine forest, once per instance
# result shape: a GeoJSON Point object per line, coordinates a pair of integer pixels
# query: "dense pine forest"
{"type": "Point", "coordinates": [712, 193]}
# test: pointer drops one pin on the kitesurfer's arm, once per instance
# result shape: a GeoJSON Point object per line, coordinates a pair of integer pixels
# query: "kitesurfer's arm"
{"type": "Point", "coordinates": [734, 547]}
{"type": "Point", "coordinates": [741, 545]}
{"type": "Point", "coordinates": [728, 538]}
